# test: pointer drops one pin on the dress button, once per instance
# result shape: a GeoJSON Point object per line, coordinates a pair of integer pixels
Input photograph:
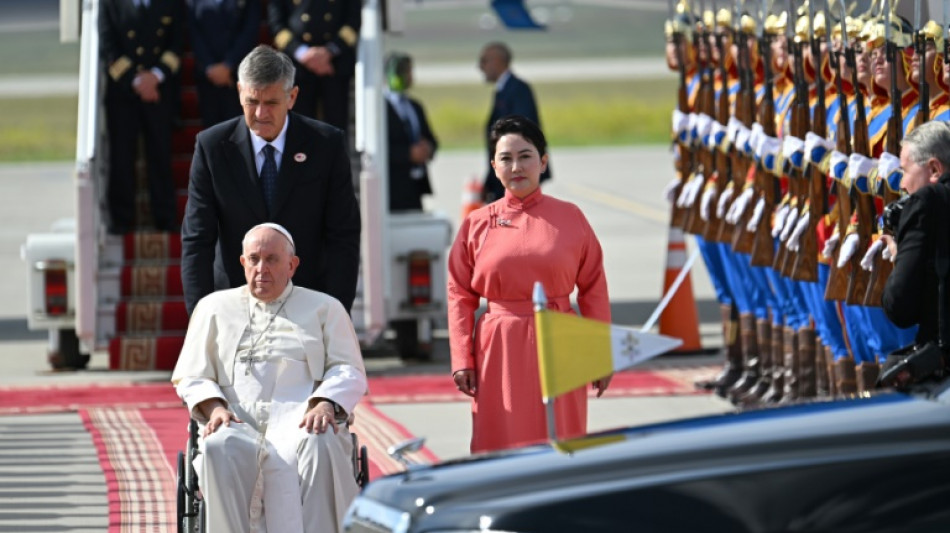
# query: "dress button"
{"type": "Point", "coordinates": [307, 37]}
{"type": "Point", "coordinates": [305, 17]}
{"type": "Point", "coordinates": [131, 34]}
{"type": "Point", "coordinates": [328, 17]}
{"type": "Point", "coordinates": [140, 50]}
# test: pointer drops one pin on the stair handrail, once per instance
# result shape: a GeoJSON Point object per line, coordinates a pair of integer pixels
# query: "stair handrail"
{"type": "Point", "coordinates": [87, 171]}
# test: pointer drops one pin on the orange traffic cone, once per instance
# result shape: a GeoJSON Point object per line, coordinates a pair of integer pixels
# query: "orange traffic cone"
{"type": "Point", "coordinates": [679, 318]}
{"type": "Point", "coordinates": [471, 196]}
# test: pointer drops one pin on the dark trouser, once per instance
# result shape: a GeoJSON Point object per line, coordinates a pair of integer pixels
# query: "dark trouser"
{"type": "Point", "coordinates": [215, 103]}
{"type": "Point", "coordinates": [325, 98]}
{"type": "Point", "coordinates": [126, 119]}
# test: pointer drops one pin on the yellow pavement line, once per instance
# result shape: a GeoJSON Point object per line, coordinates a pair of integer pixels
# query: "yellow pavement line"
{"type": "Point", "coordinates": [636, 208]}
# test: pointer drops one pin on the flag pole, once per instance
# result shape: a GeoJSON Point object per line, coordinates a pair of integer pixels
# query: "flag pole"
{"type": "Point", "coordinates": [540, 306]}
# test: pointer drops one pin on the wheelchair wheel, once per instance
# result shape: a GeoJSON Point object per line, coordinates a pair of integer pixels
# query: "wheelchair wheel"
{"type": "Point", "coordinates": [363, 479]}
{"type": "Point", "coordinates": [181, 492]}
{"type": "Point", "coordinates": [200, 525]}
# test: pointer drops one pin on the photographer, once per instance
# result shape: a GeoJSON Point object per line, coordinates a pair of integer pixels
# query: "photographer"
{"type": "Point", "coordinates": [910, 296]}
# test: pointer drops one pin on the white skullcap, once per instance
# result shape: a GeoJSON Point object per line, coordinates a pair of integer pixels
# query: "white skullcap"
{"type": "Point", "coordinates": [276, 227]}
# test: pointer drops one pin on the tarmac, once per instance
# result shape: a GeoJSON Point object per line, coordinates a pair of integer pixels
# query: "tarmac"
{"type": "Point", "coordinates": [49, 474]}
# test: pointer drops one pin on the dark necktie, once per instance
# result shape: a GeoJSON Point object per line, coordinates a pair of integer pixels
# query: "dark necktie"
{"type": "Point", "coordinates": [269, 177]}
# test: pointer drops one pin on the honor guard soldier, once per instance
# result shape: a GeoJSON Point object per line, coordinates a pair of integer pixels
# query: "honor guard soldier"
{"type": "Point", "coordinates": [140, 42]}
{"type": "Point", "coordinates": [321, 36]}
{"type": "Point", "coordinates": [222, 32]}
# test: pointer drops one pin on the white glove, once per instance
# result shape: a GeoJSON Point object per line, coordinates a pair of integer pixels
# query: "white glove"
{"type": "Point", "coordinates": [847, 249]}
{"type": "Point", "coordinates": [695, 185]}
{"type": "Point", "coordinates": [669, 192]}
{"type": "Point", "coordinates": [800, 228]}
{"type": "Point", "coordinates": [684, 192]}
{"type": "Point", "coordinates": [830, 245]}
{"type": "Point", "coordinates": [709, 196]}
{"type": "Point", "coordinates": [779, 221]}
{"type": "Point", "coordinates": [789, 224]}
{"type": "Point", "coordinates": [724, 201]}
{"type": "Point", "coordinates": [756, 216]}
{"type": "Point", "coordinates": [738, 207]}
{"type": "Point", "coordinates": [867, 262]}
{"type": "Point", "coordinates": [886, 254]}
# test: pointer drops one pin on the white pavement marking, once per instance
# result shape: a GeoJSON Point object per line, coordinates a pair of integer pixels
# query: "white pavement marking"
{"type": "Point", "coordinates": [50, 478]}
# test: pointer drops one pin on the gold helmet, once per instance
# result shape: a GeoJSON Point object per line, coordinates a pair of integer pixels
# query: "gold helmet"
{"type": "Point", "coordinates": [682, 21]}
{"type": "Point", "coordinates": [775, 24]}
{"type": "Point", "coordinates": [933, 32]}
{"type": "Point", "coordinates": [747, 24]}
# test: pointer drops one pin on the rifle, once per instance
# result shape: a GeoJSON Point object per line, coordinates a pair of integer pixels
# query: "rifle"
{"type": "Point", "coordinates": [745, 113]}
{"type": "Point", "coordinates": [895, 132]}
{"type": "Point", "coordinates": [837, 287]}
{"type": "Point", "coordinates": [798, 128]}
{"type": "Point", "coordinates": [923, 88]}
{"type": "Point", "coordinates": [765, 184]}
{"type": "Point", "coordinates": [684, 165]}
{"type": "Point", "coordinates": [723, 161]}
{"type": "Point", "coordinates": [805, 265]}
{"type": "Point", "coordinates": [864, 204]}
{"type": "Point", "coordinates": [705, 104]}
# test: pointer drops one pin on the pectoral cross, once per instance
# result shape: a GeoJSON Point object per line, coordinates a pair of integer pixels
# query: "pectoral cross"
{"type": "Point", "coordinates": [249, 360]}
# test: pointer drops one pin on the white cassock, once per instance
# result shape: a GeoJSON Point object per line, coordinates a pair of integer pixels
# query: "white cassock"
{"type": "Point", "coordinates": [267, 361]}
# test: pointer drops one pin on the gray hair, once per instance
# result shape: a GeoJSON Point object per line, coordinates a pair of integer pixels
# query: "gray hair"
{"type": "Point", "coordinates": [265, 66]}
{"type": "Point", "coordinates": [929, 140]}
{"type": "Point", "coordinates": [291, 247]}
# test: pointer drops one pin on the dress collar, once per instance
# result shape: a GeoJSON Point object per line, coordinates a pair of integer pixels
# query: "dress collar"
{"type": "Point", "coordinates": [514, 202]}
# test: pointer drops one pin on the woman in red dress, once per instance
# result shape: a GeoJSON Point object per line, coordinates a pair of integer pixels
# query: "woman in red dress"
{"type": "Point", "coordinates": [500, 251]}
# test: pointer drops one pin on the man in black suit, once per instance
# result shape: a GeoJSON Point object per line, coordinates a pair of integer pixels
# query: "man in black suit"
{"type": "Point", "coordinates": [321, 36]}
{"type": "Point", "coordinates": [411, 141]}
{"type": "Point", "coordinates": [140, 42]}
{"type": "Point", "coordinates": [222, 33]}
{"type": "Point", "coordinates": [272, 166]}
{"type": "Point", "coordinates": [513, 96]}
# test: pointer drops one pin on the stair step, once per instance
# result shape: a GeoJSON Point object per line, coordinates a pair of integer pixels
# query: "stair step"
{"type": "Point", "coordinates": [151, 317]}
{"type": "Point", "coordinates": [152, 246]}
{"type": "Point", "coordinates": [151, 281]}
{"type": "Point", "coordinates": [145, 353]}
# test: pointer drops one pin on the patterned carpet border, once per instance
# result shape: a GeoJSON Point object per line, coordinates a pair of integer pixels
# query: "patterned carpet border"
{"type": "Point", "coordinates": [139, 481]}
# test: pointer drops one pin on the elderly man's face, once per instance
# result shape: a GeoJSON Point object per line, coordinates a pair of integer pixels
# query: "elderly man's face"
{"type": "Point", "coordinates": [917, 176]}
{"type": "Point", "coordinates": [492, 64]}
{"type": "Point", "coordinates": [268, 263]}
{"type": "Point", "coordinates": [265, 109]}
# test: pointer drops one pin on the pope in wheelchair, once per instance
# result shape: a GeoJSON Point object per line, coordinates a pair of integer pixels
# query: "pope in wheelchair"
{"type": "Point", "coordinates": [271, 373]}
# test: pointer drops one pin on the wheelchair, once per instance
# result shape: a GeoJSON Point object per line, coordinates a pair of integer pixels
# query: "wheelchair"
{"type": "Point", "coordinates": [191, 505]}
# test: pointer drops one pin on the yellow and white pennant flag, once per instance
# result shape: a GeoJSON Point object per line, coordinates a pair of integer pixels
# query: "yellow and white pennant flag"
{"type": "Point", "coordinates": [574, 351]}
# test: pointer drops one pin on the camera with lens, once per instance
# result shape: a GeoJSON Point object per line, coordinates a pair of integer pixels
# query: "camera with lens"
{"type": "Point", "coordinates": [891, 216]}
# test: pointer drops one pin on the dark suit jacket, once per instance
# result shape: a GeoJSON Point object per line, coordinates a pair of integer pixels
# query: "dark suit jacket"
{"type": "Point", "coordinates": [516, 98]}
{"type": "Point", "coordinates": [331, 23]}
{"type": "Point", "coordinates": [910, 294]}
{"type": "Point", "coordinates": [314, 201]}
{"type": "Point", "coordinates": [223, 31]}
{"type": "Point", "coordinates": [131, 40]}
{"type": "Point", "coordinates": [405, 192]}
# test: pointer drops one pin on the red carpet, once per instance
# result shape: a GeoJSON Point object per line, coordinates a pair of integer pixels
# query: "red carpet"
{"type": "Point", "coordinates": [441, 388]}
{"type": "Point", "coordinates": [397, 389]}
